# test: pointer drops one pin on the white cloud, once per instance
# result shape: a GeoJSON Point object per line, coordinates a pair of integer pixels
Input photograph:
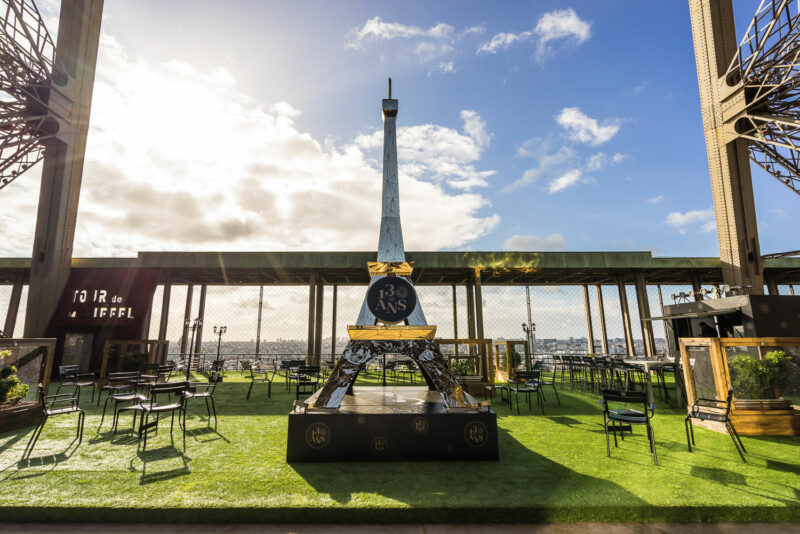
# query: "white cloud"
{"type": "Point", "coordinates": [554, 25]}
{"type": "Point", "coordinates": [438, 154]}
{"type": "Point", "coordinates": [560, 24]}
{"type": "Point", "coordinates": [160, 175]}
{"type": "Point", "coordinates": [547, 157]}
{"type": "Point", "coordinates": [601, 159]}
{"type": "Point", "coordinates": [535, 243]}
{"type": "Point", "coordinates": [377, 30]}
{"type": "Point", "coordinates": [502, 41]}
{"type": "Point", "coordinates": [566, 180]}
{"type": "Point", "coordinates": [656, 200]}
{"type": "Point", "coordinates": [693, 217]}
{"type": "Point", "coordinates": [585, 129]}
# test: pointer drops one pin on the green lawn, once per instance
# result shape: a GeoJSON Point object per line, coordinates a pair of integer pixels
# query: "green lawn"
{"type": "Point", "coordinates": [551, 468]}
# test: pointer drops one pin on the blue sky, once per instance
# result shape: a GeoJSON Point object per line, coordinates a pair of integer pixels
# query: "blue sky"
{"type": "Point", "coordinates": [256, 126]}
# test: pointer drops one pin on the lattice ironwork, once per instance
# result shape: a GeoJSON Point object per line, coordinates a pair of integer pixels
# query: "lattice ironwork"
{"type": "Point", "coordinates": [27, 59]}
{"type": "Point", "coordinates": [433, 365]}
{"type": "Point", "coordinates": [767, 68]}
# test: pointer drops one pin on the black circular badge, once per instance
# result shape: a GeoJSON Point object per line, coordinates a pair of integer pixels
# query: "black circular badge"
{"type": "Point", "coordinates": [391, 299]}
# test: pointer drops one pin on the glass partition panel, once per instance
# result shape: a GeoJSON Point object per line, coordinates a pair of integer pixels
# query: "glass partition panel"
{"type": "Point", "coordinates": [702, 372]}
{"type": "Point", "coordinates": [765, 371]}
{"type": "Point", "coordinates": [21, 371]}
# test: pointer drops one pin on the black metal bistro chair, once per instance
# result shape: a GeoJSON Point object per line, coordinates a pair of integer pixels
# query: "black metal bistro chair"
{"type": "Point", "coordinates": [202, 390]}
{"type": "Point", "coordinates": [307, 380]}
{"type": "Point", "coordinates": [718, 411]}
{"type": "Point", "coordinates": [257, 376]}
{"type": "Point", "coordinates": [117, 383]}
{"type": "Point", "coordinates": [152, 408]}
{"type": "Point", "coordinates": [525, 383]}
{"type": "Point", "coordinates": [539, 366]}
{"type": "Point", "coordinates": [70, 376]}
{"type": "Point", "coordinates": [125, 390]}
{"type": "Point", "coordinates": [620, 420]}
{"type": "Point", "coordinates": [52, 405]}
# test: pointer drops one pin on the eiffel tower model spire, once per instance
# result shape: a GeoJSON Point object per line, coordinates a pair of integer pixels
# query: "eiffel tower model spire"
{"type": "Point", "coordinates": [392, 300]}
{"type": "Point", "coordinates": [391, 252]}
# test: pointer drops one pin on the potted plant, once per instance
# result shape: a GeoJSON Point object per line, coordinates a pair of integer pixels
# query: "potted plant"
{"type": "Point", "coordinates": [11, 389]}
{"type": "Point", "coordinates": [761, 379]}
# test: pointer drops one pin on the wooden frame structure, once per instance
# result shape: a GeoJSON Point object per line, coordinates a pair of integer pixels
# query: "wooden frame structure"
{"type": "Point", "coordinates": [152, 352]}
{"type": "Point", "coordinates": [751, 417]}
{"type": "Point", "coordinates": [503, 373]}
{"type": "Point", "coordinates": [479, 350]}
{"type": "Point", "coordinates": [25, 414]}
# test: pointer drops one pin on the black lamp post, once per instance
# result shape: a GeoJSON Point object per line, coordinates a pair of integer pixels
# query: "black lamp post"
{"type": "Point", "coordinates": [530, 333]}
{"type": "Point", "coordinates": [194, 326]}
{"type": "Point", "coordinates": [219, 330]}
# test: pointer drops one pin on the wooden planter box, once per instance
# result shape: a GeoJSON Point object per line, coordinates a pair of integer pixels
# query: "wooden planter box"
{"type": "Point", "coordinates": [20, 415]}
{"type": "Point", "coordinates": [753, 417]}
{"type": "Point", "coordinates": [33, 372]}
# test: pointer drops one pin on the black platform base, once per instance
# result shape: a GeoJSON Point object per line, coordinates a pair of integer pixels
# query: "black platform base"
{"type": "Point", "coordinates": [391, 424]}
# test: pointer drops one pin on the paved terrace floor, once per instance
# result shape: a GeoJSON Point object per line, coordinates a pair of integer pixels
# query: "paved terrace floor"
{"type": "Point", "coordinates": [553, 468]}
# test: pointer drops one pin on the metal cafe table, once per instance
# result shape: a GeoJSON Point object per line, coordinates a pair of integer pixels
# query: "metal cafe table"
{"type": "Point", "coordinates": [647, 365]}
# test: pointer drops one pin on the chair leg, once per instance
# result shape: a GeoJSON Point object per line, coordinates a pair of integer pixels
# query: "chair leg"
{"type": "Point", "coordinates": [34, 437]}
{"type": "Point", "coordinates": [105, 405]}
{"type": "Point", "coordinates": [81, 421]}
{"type": "Point", "coordinates": [172, 425]}
{"type": "Point", "coordinates": [208, 410]}
{"type": "Point", "coordinates": [249, 390]}
{"type": "Point", "coordinates": [554, 389]}
{"type": "Point", "coordinates": [608, 444]}
{"type": "Point", "coordinates": [214, 408]}
{"type": "Point", "coordinates": [735, 444]}
{"type": "Point", "coordinates": [540, 393]}
{"type": "Point", "coordinates": [730, 423]}
{"type": "Point", "coordinates": [516, 396]}
{"type": "Point", "coordinates": [687, 423]}
{"type": "Point", "coordinates": [269, 391]}
{"type": "Point", "coordinates": [652, 437]}
{"type": "Point", "coordinates": [143, 428]}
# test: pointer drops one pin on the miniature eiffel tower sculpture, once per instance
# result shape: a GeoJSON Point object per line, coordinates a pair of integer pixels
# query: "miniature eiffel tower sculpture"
{"type": "Point", "coordinates": [391, 300]}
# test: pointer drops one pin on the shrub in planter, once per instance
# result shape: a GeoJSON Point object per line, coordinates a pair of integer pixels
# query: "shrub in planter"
{"type": "Point", "coordinates": [761, 379]}
{"type": "Point", "coordinates": [11, 389]}
{"type": "Point", "coordinates": [132, 361]}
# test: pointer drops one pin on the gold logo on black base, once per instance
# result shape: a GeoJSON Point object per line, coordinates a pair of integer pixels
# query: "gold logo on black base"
{"type": "Point", "coordinates": [318, 435]}
{"type": "Point", "coordinates": [380, 445]}
{"type": "Point", "coordinates": [476, 434]}
{"type": "Point", "coordinates": [420, 426]}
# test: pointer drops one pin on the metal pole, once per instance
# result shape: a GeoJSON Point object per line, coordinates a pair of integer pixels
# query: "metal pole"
{"type": "Point", "coordinates": [164, 322]}
{"type": "Point", "coordinates": [13, 308]}
{"type": "Point", "coordinates": [191, 345]}
{"type": "Point", "coordinates": [587, 311]}
{"type": "Point", "coordinates": [643, 302]}
{"type": "Point", "coordinates": [333, 324]}
{"type": "Point", "coordinates": [318, 309]}
{"type": "Point", "coordinates": [626, 317]}
{"type": "Point", "coordinates": [312, 286]}
{"type": "Point", "coordinates": [531, 332]}
{"type": "Point", "coordinates": [601, 317]}
{"type": "Point", "coordinates": [187, 318]}
{"type": "Point", "coordinates": [258, 327]}
{"type": "Point", "coordinates": [455, 318]}
{"type": "Point", "coordinates": [201, 313]}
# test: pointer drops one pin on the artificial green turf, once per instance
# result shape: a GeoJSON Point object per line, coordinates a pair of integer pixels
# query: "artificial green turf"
{"type": "Point", "coordinates": [551, 468]}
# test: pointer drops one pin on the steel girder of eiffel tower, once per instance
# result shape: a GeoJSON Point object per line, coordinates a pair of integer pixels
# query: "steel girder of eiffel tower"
{"type": "Point", "coordinates": [749, 102]}
{"type": "Point", "coordinates": [45, 100]}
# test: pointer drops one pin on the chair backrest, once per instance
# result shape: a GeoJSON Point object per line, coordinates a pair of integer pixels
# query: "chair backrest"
{"type": "Point", "coordinates": [626, 397]}
{"type": "Point", "coordinates": [309, 371]}
{"type": "Point", "coordinates": [728, 402]}
{"type": "Point", "coordinates": [67, 371]}
{"type": "Point", "coordinates": [521, 377]}
{"type": "Point", "coordinates": [167, 388]}
{"type": "Point", "coordinates": [122, 378]}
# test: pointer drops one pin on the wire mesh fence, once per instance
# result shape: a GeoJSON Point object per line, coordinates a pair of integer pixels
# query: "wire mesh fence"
{"type": "Point", "coordinates": [283, 329]}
